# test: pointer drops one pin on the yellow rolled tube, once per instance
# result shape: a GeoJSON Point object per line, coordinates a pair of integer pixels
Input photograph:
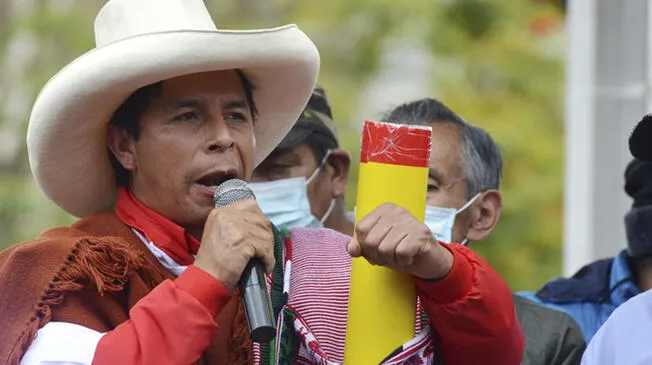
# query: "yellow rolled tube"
{"type": "Point", "coordinates": [382, 302]}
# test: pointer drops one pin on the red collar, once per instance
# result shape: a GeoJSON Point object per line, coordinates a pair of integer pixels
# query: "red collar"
{"type": "Point", "coordinates": [165, 234]}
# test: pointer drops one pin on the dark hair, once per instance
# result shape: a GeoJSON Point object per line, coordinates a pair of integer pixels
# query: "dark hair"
{"type": "Point", "coordinates": [127, 116]}
{"type": "Point", "coordinates": [483, 161]}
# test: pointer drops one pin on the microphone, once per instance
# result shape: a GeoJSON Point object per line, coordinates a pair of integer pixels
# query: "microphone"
{"type": "Point", "coordinates": [253, 284]}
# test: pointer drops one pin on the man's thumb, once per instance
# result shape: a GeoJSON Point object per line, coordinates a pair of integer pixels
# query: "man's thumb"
{"type": "Point", "coordinates": [354, 248]}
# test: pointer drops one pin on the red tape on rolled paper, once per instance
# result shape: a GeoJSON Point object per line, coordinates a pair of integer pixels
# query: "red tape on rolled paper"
{"type": "Point", "coordinates": [395, 144]}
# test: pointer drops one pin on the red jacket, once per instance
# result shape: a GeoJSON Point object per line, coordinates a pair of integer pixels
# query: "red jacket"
{"type": "Point", "coordinates": [470, 310]}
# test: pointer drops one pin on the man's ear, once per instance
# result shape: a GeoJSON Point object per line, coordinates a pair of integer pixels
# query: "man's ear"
{"type": "Point", "coordinates": [488, 209]}
{"type": "Point", "coordinates": [122, 146]}
{"type": "Point", "coordinates": [339, 163]}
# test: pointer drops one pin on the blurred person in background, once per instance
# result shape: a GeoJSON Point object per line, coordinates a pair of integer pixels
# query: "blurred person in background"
{"type": "Point", "coordinates": [597, 289]}
{"type": "Point", "coordinates": [624, 338]}
{"type": "Point", "coordinates": [303, 181]}
{"type": "Point", "coordinates": [465, 170]}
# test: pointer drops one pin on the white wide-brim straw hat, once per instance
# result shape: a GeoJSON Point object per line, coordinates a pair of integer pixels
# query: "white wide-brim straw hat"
{"type": "Point", "coordinates": [140, 42]}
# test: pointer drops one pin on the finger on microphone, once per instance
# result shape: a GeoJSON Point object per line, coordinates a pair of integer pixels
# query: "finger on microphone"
{"type": "Point", "coordinates": [354, 248]}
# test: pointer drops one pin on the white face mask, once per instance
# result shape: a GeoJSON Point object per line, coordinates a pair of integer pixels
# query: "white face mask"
{"type": "Point", "coordinates": [285, 202]}
{"type": "Point", "coordinates": [441, 220]}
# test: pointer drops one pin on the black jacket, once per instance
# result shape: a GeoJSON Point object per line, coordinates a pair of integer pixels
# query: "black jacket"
{"type": "Point", "coordinates": [551, 337]}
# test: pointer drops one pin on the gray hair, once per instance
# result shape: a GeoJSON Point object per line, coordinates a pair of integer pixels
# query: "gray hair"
{"type": "Point", "coordinates": [483, 163]}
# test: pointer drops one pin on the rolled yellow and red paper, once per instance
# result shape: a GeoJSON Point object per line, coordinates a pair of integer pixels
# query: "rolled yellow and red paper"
{"type": "Point", "coordinates": [382, 302]}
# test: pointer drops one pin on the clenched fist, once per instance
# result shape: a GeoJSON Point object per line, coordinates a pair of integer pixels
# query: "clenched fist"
{"type": "Point", "coordinates": [390, 236]}
{"type": "Point", "coordinates": [233, 235]}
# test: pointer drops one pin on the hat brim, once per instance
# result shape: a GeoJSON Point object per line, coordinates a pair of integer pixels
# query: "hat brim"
{"type": "Point", "coordinates": [66, 135]}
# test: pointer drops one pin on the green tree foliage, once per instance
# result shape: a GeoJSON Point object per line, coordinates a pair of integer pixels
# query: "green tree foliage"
{"type": "Point", "coordinates": [497, 63]}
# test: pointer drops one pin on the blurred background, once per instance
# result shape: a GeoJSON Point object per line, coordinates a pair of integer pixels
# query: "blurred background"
{"type": "Point", "coordinates": [500, 64]}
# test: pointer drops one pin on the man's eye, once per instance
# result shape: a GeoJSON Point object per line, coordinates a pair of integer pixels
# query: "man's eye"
{"type": "Point", "coordinates": [237, 116]}
{"type": "Point", "coordinates": [185, 117]}
{"type": "Point", "coordinates": [432, 187]}
{"type": "Point", "coordinates": [274, 171]}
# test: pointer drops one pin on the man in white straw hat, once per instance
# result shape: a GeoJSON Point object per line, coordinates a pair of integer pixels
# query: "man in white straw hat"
{"type": "Point", "coordinates": [133, 137]}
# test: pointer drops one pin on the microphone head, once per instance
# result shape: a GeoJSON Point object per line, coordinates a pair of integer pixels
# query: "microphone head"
{"type": "Point", "coordinates": [231, 191]}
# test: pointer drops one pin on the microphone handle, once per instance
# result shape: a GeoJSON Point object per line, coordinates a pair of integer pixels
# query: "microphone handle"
{"type": "Point", "coordinates": [257, 303]}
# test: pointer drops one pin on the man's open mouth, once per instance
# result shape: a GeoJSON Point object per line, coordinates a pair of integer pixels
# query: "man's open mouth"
{"type": "Point", "coordinates": [215, 178]}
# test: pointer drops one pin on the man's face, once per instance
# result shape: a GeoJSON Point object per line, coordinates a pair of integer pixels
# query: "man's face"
{"type": "Point", "coordinates": [446, 182]}
{"type": "Point", "coordinates": [195, 134]}
{"type": "Point", "coordinates": [298, 162]}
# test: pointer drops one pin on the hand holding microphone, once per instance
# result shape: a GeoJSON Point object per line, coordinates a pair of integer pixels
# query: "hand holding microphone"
{"type": "Point", "coordinates": [237, 249]}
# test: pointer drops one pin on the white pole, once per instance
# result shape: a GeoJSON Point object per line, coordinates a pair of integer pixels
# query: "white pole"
{"type": "Point", "coordinates": [578, 197]}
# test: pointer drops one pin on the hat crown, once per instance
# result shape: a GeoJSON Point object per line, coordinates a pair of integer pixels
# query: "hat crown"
{"type": "Point", "coordinates": [122, 19]}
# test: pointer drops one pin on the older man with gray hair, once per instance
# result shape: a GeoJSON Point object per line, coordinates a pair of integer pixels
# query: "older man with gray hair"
{"type": "Point", "coordinates": [464, 205]}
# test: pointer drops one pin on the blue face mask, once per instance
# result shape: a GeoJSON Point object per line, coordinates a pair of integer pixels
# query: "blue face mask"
{"type": "Point", "coordinates": [441, 220]}
{"type": "Point", "coordinates": [285, 202]}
